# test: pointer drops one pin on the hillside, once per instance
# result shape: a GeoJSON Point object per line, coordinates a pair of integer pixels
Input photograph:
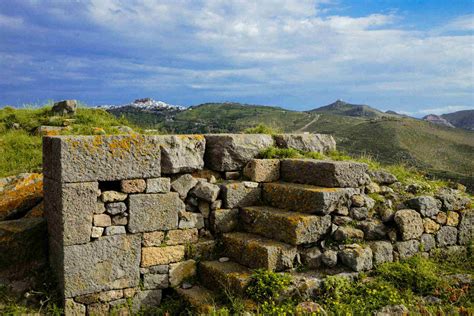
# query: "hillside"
{"type": "Point", "coordinates": [356, 110]}
{"type": "Point", "coordinates": [461, 119]}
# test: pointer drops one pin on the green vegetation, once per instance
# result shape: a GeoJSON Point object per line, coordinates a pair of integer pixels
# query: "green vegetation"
{"type": "Point", "coordinates": [267, 285]}
{"type": "Point", "coordinates": [20, 140]}
{"type": "Point", "coordinates": [262, 129]}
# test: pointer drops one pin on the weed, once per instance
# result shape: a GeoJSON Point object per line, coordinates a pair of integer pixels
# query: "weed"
{"type": "Point", "coordinates": [265, 285]}
{"type": "Point", "coordinates": [262, 129]}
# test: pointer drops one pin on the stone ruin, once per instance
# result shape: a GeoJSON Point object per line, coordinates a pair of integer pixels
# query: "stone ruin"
{"type": "Point", "coordinates": [132, 216]}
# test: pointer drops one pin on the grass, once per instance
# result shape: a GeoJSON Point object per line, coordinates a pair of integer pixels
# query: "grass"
{"type": "Point", "coordinates": [20, 147]}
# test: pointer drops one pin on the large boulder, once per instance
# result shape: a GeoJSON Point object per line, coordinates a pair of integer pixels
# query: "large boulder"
{"type": "Point", "coordinates": [182, 153]}
{"type": "Point", "coordinates": [356, 257]}
{"type": "Point", "coordinates": [320, 143]}
{"type": "Point", "coordinates": [227, 152]}
{"type": "Point", "coordinates": [65, 107]}
{"type": "Point", "coordinates": [426, 205]}
{"type": "Point", "coordinates": [20, 194]}
{"type": "Point", "coordinates": [410, 224]}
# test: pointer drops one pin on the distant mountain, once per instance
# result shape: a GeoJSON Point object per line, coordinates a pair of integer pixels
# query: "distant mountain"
{"type": "Point", "coordinates": [145, 104]}
{"type": "Point", "coordinates": [432, 118]}
{"type": "Point", "coordinates": [461, 119]}
{"type": "Point", "coordinates": [346, 109]}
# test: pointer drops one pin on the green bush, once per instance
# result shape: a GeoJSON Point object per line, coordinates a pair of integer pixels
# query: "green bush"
{"type": "Point", "coordinates": [262, 129]}
{"type": "Point", "coordinates": [266, 285]}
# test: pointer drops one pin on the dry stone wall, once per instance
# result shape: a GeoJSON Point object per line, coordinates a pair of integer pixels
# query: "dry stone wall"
{"type": "Point", "coordinates": [132, 216]}
{"type": "Point", "coordinates": [128, 215]}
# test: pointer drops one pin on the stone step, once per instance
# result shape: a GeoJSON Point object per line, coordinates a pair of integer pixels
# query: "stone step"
{"type": "Point", "coordinates": [226, 276]}
{"type": "Point", "coordinates": [200, 298]}
{"type": "Point", "coordinates": [256, 252]}
{"type": "Point", "coordinates": [306, 198]}
{"type": "Point", "coordinates": [324, 173]}
{"type": "Point", "coordinates": [293, 228]}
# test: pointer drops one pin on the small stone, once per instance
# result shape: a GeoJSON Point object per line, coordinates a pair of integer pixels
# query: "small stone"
{"type": "Point", "coordinates": [393, 310]}
{"type": "Point", "coordinates": [181, 271]}
{"type": "Point", "coordinates": [427, 242]}
{"type": "Point", "coordinates": [113, 196]}
{"type": "Point", "coordinates": [158, 185]}
{"type": "Point", "coordinates": [98, 309]}
{"type": "Point", "coordinates": [97, 232]}
{"type": "Point", "coordinates": [217, 204]}
{"type": "Point", "coordinates": [357, 200]}
{"type": "Point", "coordinates": [447, 236]}
{"type": "Point", "coordinates": [102, 220]}
{"type": "Point", "coordinates": [183, 184]}
{"type": "Point", "coordinates": [369, 202]}
{"type": "Point", "coordinates": [382, 251]}
{"type": "Point", "coordinates": [129, 292]}
{"type": "Point", "coordinates": [342, 210]}
{"type": "Point", "coordinates": [310, 308]}
{"type": "Point", "coordinates": [206, 191]}
{"type": "Point", "coordinates": [312, 257]}
{"type": "Point", "coordinates": [382, 177]}
{"type": "Point", "coordinates": [146, 298]}
{"type": "Point", "coordinates": [191, 220]}
{"type": "Point", "coordinates": [115, 208]}
{"type": "Point", "coordinates": [224, 259]}
{"type": "Point", "coordinates": [441, 218]}
{"type": "Point", "coordinates": [452, 200]}
{"type": "Point", "coordinates": [204, 208]}
{"type": "Point", "coordinates": [100, 208]}
{"type": "Point", "coordinates": [345, 233]}
{"type": "Point", "coordinates": [373, 229]}
{"type": "Point", "coordinates": [372, 187]}
{"type": "Point", "coordinates": [359, 213]}
{"type": "Point", "coordinates": [452, 219]}
{"type": "Point", "coordinates": [426, 205]}
{"type": "Point", "coordinates": [74, 309]}
{"type": "Point", "coordinates": [430, 226]}
{"type": "Point", "coordinates": [153, 239]}
{"type": "Point", "coordinates": [329, 258]}
{"type": "Point", "coordinates": [186, 285]}
{"type": "Point", "coordinates": [152, 256]}
{"type": "Point", "coordinates": [356, 257]}
{"type": "Point", "coordinates": [407, 248]}
{"type": "Point", "coordinates": [120, 220]}
{"type": "Point", "coordinates": [409, 223]}
{"type": "Point", "coordinates": [155, 281]}
{"type": "Point", "coordinates": [263, 170]}
{"type": "Point", "coordinates": [133, 186]}
{"type": "Point", "coordinates": [386, 214]}
{"type": "Point", "coordinates": [182, 236]}
{"type": "Point", "coordinates": [341, 220]}
{"type": "Point", "coordinates": [115, 230]}
{"type": "Point", "coordinates": [232, 175]}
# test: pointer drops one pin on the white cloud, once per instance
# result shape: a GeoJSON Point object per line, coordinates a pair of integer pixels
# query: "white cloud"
{"type": "Point", "coordinates": [10, 21]}
{"type": "Point", "coordinates": [445, 109]}
{"type": "Point", "coordinates": [462, 23]}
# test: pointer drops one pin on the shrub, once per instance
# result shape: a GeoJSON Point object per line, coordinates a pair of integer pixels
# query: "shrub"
{"type": "Point", "coordinates": [262, 129]}
{"type": "Point", "coordinates": [267, 285]}
{"type": "Point", "coordinates": [279, 153]}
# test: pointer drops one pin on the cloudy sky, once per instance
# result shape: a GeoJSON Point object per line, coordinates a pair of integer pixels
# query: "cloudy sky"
{"type": "Point", "coordinates": [412, 56]}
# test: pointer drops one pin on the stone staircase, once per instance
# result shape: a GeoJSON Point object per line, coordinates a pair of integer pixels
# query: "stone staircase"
{"type": "Point", "coordinates": [271, 235]}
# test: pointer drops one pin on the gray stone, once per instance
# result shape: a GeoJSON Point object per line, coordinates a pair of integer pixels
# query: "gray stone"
{"type": "Point", "coordinates": [373, 230]}
{"type": "Point", "coordinates": [410, 224]}
{"type": "Point", "coordinates": [155, 281]}
{"type": "Point", "coordinates": [382, 251]}
{"type": "Point", "coordinates": [237, 194]}
{"type": "Point", "coordinates": [191, 220]}
{"type": "Point", "coordinates": [329, 258]}
{"type": "Point", "coordinates": [115, 208]}
{"type": "Point", "coordinates": [146, 298]}
{"type": "Point", "coordinates": [160, 269]}
{"type": "Point", "coordinates": [466, 227]}
{"type": "Point", "coordinates": [101, 158]}
{"type": "Point", "coordinates": [204, 208]}
{"type": "Point", "coordinates": [108, 263]}
{"type": "Point", "coordinates": [341, 220]}
{"type": "Point", "coordinates": [183, 184]}
{"type": "Point", "coordinates": [426, 205]}
{"type": "Point", "coordinates": [158, 185]}
{"type": "Point", "coordinates": [224, 220]}
{"type": "Point", "coordinates": [65, 107]}
{"type": "Point", "coordinates": [113, 196]}
{"type": "Point", "coordinates": [407, 248]}
{"type": "Point", "coordinates": [62, 201]}
{"type": "Point", "coordinates": [320, 143]}
{"type": "Point", "coordinates": [97, 232]}
{"type": "Point", "coordinates": [359, 213]}
{"type": "Point", "coordinates": [447, 236]}
{"type": "Point", "coordinates": [356, 257]}
{"type": "Point", "coordinates": [263, 170]}
{"type": "Point", "coordinates": [206, 191]}
{"type": "Point", "coordinates": [427, 242]}
{"type": "Point", "coordinates": [232, 175]}
{"type": "Point", "coordinates": [180, 271]}
{"type": "Point", "coordinates": [100, 208]}
{"type": "Point", "coordinates": [229, 152]}
{"type": "Point", "coordinates": [382, 177]}
{"type": "Point", "coordinates": [217, 204]}
{"type": "Point", "coordinates": [311, 257]}
{"type": "Point", "coordinates": [115, 230]}
{"type": "Point", "coordinates": [72, 308]}
{"type": "Point", "coordinates": [324, 173]}
{"type": "Point", "coordinates": [386, 214]}
{"type": "Point", "coordinates": [393, 310]}
{"type": "Point", "coordinates": [150, 212]}
{"type": "Point", "coordinates": [452, 200]}
{"type": "Point", "coordinates": [102, 220]}
{"type": "Point", "coordinates": [182, 153]}
{"type": "Point", "coordinates": [347, 232]}
{"type": "Point", "coordinates": [120, 220]}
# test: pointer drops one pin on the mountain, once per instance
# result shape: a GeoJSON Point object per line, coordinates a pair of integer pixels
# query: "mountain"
{"type": "Point", "coordinates": [346, 109]}
{"type": "Point", "coordinates": [146, 105]}
{"type": "Point", "coordinates": [432, 118]}
{"type": "Point", "coordinates": [461, 119]}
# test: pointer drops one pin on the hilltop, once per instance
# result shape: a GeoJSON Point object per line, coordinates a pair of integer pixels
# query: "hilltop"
{"type": "Point", "coordinates": [461, 119]}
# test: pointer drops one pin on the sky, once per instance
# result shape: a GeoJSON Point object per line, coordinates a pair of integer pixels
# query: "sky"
{"type": "Point", "coordinates": [411, 56]}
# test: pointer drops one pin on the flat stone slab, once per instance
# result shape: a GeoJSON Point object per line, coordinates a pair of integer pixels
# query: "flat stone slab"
{"type": "Point", "coordinates": [306, 198]}
{"type": "Point", "coordinates": [106, 264]}
{"type": "Point", "coordinates": [182, 153]}
{"type": "Point", "coordinates": [258, 252]}
{"type": "Point", "coordinates": [290, 227]}
{"type": "Point", "coordinates": [229, 152]}
{"type": "Point", "coordinates": [224, 275]}
{"type": "Point", "coordinates": [151, 212]}
{"type": "Point", "coordinates": [320, 143]}
{"type": "Point", "coordinates": [101, 158]}
{"type": "Point", "coordinates": [323, 173]}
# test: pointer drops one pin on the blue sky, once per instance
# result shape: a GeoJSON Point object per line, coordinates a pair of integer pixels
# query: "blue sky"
{"type": "Point", "coordinates": [410, 56]}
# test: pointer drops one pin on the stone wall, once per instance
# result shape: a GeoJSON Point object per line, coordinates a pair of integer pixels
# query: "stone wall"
{"type": "Point", "coordinates": [128, 216]}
